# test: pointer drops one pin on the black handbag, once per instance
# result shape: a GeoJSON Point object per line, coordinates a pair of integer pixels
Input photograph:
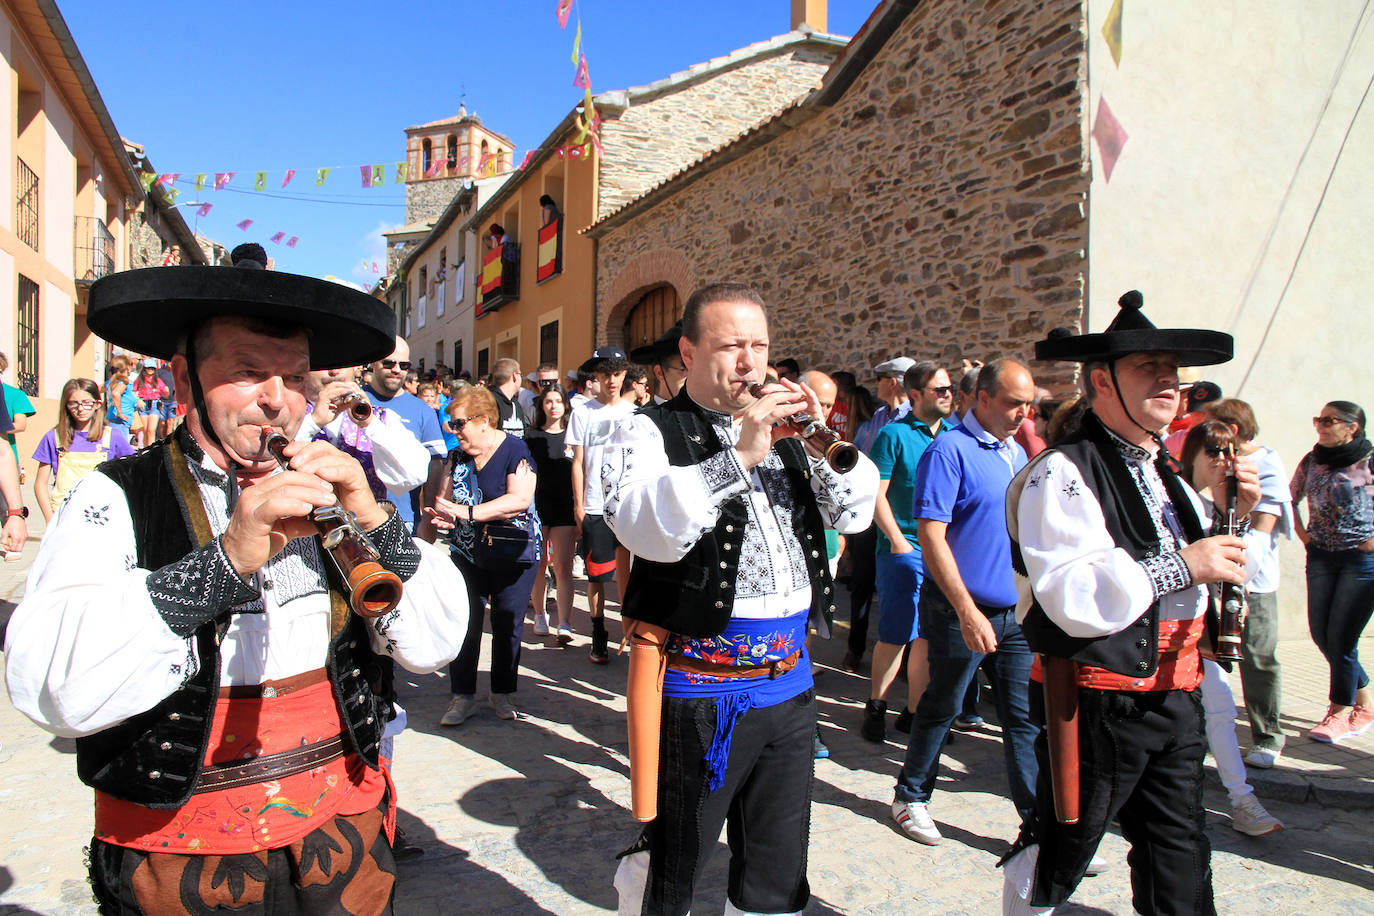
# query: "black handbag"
{"type": "Point", "coordinates": [504, 543]}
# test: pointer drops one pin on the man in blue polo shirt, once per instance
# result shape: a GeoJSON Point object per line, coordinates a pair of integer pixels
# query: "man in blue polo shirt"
{"type": "Point", "coordinates": [968, 598]}
{"type": "Point", "coordinates": [897, 452]}
{"type": "Point", "coordinates": [386, 392]}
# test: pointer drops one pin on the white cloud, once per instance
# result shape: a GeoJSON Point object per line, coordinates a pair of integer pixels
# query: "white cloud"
{"type": "Point", "coordinates": [372, 250]}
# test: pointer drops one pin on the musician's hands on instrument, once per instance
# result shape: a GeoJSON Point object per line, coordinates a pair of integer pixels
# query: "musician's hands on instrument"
{"type": "Point", "coordinates": [327, 405]}
{"type": "Point", "coordinates": [1220, 558]}
{"type": "Point", "coordinates": [759, 427]}
{"type": "Point", "coordinates": [270, 513]}
{"type": "Point", "coordinates": [344, 473]}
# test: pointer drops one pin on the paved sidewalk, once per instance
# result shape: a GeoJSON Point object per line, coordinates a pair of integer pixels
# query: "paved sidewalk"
{"type": "Point", "coordinates": [527, 816]}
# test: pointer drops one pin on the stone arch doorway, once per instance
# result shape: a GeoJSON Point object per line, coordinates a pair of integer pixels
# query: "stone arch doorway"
{"type": "Point", "coordinates": [654, 313]}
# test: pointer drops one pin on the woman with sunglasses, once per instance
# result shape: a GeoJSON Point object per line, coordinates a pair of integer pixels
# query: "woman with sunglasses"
{"type": "Point", "coordinates": [553, 498]}
{"type": "Point", "coordinates": [1337, 481]}
{"type": "Point", "coordinates": [76, 446]}
{"type": "Point", "coordinates": [489, 478]}
{"type": "Point", "coordinates": [1206, 450]}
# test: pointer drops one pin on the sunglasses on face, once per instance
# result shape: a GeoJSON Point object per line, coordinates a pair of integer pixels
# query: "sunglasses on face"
{"type": "Point", "coordinates": [547, 382]}
{"type": "Point", "coordinates": [943, 391]}
{"type": "Point", "coordinates": [1214, 451]}
{"type": "Point", "coordinates": [403, 365]}
{"type": "Point", "coordinates": [1328, 422]}
{"type": "Point", "coordinates": [460, 422]}
{"type": "Point", "coordinates": [81, 405]}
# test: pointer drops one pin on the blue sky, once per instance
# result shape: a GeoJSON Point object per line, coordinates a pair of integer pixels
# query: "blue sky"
{"type": "Point", "coordinates": [299, 85]}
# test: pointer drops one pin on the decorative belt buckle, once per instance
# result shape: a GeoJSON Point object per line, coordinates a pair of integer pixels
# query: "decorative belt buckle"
{"type": "Point", "coordinates": [269, 692]}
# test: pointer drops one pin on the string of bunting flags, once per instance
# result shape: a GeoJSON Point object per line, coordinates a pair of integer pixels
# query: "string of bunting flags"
{"type": "Point", "coordinates": [586, 143]}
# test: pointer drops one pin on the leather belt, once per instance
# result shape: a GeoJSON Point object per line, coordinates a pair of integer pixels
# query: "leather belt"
{"type": "Point", "coordinates": [270, 766]}
{"type": "Point", "coordinates": [269, 689]}
{"type": "Point", "coordinates": [734, 672]}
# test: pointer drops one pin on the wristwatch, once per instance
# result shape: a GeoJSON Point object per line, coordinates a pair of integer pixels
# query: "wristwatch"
{"type": "Point", "coordinates": [21, 512]}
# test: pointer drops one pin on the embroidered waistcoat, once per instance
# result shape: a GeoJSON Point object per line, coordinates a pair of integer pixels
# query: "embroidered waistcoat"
{"type": "Point", "coordinates": [154, 758]}
{"type": "Point", "coordinates": [694, 596]}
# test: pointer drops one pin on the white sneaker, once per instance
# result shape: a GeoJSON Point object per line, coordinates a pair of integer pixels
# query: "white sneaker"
{"type": "Point", "coordinates": [460, 708]}
{"type": "Point", "coordinates": [1249, 817]}
{"type": "Point", "coordinates": [565, 634]}
{"type": "Point", "coordinates": [541, 624]}
{"type": "Point", "coordinates": [915, 822]}
{"type": "Point", "coordinates": [1096, 866]}
{"type": "Point", "coordinates": [502, 705]}
{"type": "Point", "coordinates": [1262, 757]}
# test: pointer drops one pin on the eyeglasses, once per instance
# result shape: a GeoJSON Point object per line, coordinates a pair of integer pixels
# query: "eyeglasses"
{"type": "Point", "coordinates": [460, 422]}
{"type": "Point", "coordinates": [547, 382]}
{"type": "Point", "coordinates": [403, 365]}
{"type": "Point", "coordinates": [82, 405]}
{"type": "Point", "coordinates": [1326, 422]}
{"type": "Point", "coordinates": [1215, 451]}
{"type": "Point", "coordinates": [943, 391]}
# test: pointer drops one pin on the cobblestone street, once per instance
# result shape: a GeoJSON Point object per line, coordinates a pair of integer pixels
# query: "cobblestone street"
{"type": "Point", "coordinates": [527, 816]}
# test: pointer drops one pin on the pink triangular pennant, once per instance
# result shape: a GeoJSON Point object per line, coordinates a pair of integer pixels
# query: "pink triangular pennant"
{"type": "Point", "coordinates": [1111, 137]}
{"type": "Point", "coordinates": [167, 178]}
{"type": "Point", "coordinates": [290, 173]}
{"type": "Point", "coordinates": [222, 179]}
{"type": "Point", "coordinates": [291, 242]}
{"type": "Point", "coordinates": [276, 239]}
{"type": "Point", "coordinates": [367, 175]}
{"type": "Point", "coordinates": [203, 209]}
{"type": "Point", "coordinates": [245, 224]}
{"type": "Point", "coordinates": [564, 9]}
{"type": "Point", "coordinates": [583, 80]}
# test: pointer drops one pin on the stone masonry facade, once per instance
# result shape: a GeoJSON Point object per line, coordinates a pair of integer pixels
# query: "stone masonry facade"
{"type": "Point", "coordinates": [934, 210]}
{"type": "Point", "coordinates": [654, 138]}
{"type": "Point", "coordinates": [427, 198]}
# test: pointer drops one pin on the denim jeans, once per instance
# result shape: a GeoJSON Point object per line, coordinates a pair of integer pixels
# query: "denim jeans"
{"type": "Point", "coordinates": [952, 666]}
{"type": "Point", "coordinates": [1340, 599]}
{"type": "Point", "coordinates": [509, 592]}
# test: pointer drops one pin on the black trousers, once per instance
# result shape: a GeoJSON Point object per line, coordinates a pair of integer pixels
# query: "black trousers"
{"type": "Point", "coordinates": [1140, 759]}
{"type": "Point", "coordinates": [765, 805]}
{"type": "Point", "coordinates": [863, 572]}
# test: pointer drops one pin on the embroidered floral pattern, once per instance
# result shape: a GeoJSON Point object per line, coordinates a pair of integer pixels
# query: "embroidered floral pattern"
{"type": "Point", "coordinates": [742, 650]}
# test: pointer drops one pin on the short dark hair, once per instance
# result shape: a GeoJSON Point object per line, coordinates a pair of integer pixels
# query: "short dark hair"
{"type": "Point", "coordinates": [709, 294]}
{"type": "Point", "coordinates": [919, 375]}
{"type": "Point", "coordinates": [546, 367]}
{"type": "Point", "coordinates": [969, 383]}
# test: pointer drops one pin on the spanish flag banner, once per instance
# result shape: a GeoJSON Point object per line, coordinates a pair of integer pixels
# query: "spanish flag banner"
{"type": "Point", "coordinates": [491, 271]}
{"type": "Point", "coordinates": [550, 251]}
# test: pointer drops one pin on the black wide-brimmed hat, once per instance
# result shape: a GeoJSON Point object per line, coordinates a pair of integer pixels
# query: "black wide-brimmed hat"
{"type": "Point", "coordinates": [148, 310]}
{"type": "Point", "coordinates": [1131, 332]}
{"type": "Point", "coordinates": [665, 345]}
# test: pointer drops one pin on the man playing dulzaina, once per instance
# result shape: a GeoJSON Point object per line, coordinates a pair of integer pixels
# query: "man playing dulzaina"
{"type": "Point", "coordinates": [184, 625]}
{"type": "Point", "coordinates": [1114, 564]}
{"type": "Point", "coordinates": [724, 511]}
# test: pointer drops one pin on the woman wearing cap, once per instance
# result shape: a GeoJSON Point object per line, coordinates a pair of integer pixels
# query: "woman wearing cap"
{"type": "Point", "coordinates": [1337, 480]}
{"type": "Point", "coordinates": [150, 390]}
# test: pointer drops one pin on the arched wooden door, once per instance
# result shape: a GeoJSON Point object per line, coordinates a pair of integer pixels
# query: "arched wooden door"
{"type": "Point", "coordinates": [655, 312]}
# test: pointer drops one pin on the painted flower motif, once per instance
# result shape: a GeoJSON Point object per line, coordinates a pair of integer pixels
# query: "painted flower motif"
{"type": "Point", "coordinates": [759, 650]}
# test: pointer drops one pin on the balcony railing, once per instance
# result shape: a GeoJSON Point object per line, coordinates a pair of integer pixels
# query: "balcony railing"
{"type": "Point", "coordinates": [94, 249]}
{"type": "Point", "coordinates": [26, 204]}
{"type": "Point", "coordinates": [500, 281]}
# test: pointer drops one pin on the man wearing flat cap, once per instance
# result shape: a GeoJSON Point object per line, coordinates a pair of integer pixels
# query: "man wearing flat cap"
{"type": "Point", "coordinates": [184, 625]}
{"type": "Point", "coordinates": [1113, 561]}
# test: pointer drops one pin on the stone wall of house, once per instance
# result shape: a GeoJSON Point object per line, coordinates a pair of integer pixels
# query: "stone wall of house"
{"type": "Point", "coordinates": [653, 139]}
{"type": "Point", "coordinates": [146, 248]}
{"type": "Point", "coordinates": [426, 198]}
{"type": "Point", "coordinates": [935, 210]}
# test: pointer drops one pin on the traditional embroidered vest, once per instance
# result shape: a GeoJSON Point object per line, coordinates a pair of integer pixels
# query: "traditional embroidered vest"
{"type": "Point", "coordinates": [694, 596]}
{"type": "Point", "coordinates": [155, 757]}
{"type": "Point", "coordinates": [1134, 651]}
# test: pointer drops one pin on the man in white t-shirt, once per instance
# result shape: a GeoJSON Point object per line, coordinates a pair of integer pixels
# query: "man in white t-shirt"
{"type": "Point", "coordinates": [589, 433]}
